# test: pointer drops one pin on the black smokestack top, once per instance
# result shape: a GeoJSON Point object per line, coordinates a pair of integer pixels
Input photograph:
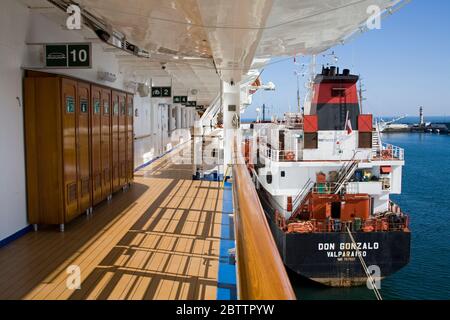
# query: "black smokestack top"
{"type": "Point", "coordinates": [332, 75]}
{"type": "Point", "coordinates": [325, 71]}
{"type": "Point", "coordinates": [332, 71]}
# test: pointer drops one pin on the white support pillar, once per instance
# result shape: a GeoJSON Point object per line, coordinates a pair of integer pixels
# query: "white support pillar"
{"type": "Point", "coordinates": [231, 111]}
{"type": "Point", "coordinates": [198, 147]}
{"type": "Point", "coordinates": [172, 118]}
{"type": "Point", "coordinates": [183, 113]}
{"type": "Point", "coordinates": [178, 116]}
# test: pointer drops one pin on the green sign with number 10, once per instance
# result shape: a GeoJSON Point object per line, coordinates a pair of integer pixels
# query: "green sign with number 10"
{"type": "Point", "coordinates": [76, 55]}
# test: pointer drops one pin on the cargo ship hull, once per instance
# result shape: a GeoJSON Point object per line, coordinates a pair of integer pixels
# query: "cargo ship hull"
{"type": "Point", "coordinates": [330, 258]}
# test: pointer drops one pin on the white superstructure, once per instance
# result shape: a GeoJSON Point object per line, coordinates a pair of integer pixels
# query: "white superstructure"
{"type": "Point", "coordinates": [336, 149]}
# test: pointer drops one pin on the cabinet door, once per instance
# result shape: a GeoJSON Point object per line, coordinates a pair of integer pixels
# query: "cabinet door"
{"type": "Point", "coordinates": [96, 138]}
{"type": "Point", "coordinates": [69, 104]}
{"type": "Point", "coordinates": [130, 138]}
{"type": "Point", "coordinates": [42, 121]}
{"type": "Point", "coordinates": [122, 138]}
{"type": "Point", "coordinates": [83, 141]}
{"type": "Point", "coordinates": [106, 156]}
{"type": "Point", "coordinates": [115, 141]}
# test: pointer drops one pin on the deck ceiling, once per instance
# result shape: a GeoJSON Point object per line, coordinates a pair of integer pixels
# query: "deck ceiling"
{"type": "Point", "coordinates": [234, 37]}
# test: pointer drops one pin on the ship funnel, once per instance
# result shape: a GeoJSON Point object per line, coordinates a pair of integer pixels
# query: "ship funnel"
{"type": "Point", "coordinates": [335, 99]}
{"type": "Point", "coordinates": [332, 71]}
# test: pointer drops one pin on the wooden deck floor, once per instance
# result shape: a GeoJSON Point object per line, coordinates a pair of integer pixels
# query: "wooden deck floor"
{"type": "Point", "coordinates": [158, 240]}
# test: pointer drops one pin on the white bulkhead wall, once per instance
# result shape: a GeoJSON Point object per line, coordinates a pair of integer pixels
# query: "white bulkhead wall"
{"type": "Point", "coordinates": [337, 145]}
{"type": "Point", "coordinates": [381, 203]}
{"type": "Point", "coordinates": [14, 21]}
{"type": "Point", "coordinates": [396, 180]}
{"type": "Point", "coordinates": [145, 148]}
{"type": "Point", "coordinates": [143, 116]}
{"type": "Point", "coordinates": [43, 30]}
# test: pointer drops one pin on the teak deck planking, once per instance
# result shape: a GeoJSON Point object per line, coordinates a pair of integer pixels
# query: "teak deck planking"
{"type": "Point", "coordinates": [158, 240]}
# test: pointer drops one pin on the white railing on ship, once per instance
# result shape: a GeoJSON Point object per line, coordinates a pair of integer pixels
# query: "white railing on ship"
{"type": "Point", "coordinates": [397, 152]}
{"type": "Point", "coordinates": [278, 155]}
{"type": "Point", "coordinates": [390, 152]}
{"type": "Point", "coordinates": [294, 121]}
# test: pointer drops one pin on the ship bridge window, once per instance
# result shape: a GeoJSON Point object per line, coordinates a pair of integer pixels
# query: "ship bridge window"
{"type": "Point", "coordinates": [338, 92]}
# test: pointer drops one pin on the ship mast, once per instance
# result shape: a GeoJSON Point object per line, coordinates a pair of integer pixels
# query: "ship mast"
{"type": "Point", "coordinates": [298, 94]}
{"type": "Point", "coordinates": [310, 84]}
{"type": "Point", "coordinates": [360, 93]}
{"type": "Point", "coordinates": [297, 74]}
{"type": "Point", "coordinates": [264, 112]}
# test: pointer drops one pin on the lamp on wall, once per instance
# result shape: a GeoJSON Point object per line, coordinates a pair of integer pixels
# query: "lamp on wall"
{"type": "Point", "coordinates": [143, 90]}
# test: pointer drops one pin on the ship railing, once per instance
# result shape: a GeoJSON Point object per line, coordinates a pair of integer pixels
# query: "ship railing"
{"type": "Point", "coordinates": [398, 223]}
{"type": "Point", "coordinates": [328, 188]}
{"type": "Point", "coordinates": [324, 188]}
{"type": "Point", "coordinates": [261, 273]}
{"type": "Point", "coordinates": [294, 121]}
{"type": "Point", "coordinates": [389, 152]}
{"type": "Point", "coordinates": [279, 155]}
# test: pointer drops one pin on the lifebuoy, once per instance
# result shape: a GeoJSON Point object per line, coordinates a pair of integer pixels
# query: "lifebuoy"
{"type": "Point", "coordinates": [290, 156]}
{"type": "Point", "coordinates": [386, 154]}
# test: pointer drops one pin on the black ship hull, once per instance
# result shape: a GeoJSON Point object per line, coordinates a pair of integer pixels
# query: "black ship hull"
{"type": "Point", "coordinates": [331, 258]}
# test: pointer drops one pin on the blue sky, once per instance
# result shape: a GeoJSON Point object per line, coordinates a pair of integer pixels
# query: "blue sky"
{"type": "Point", "coordinates": [404, 65]}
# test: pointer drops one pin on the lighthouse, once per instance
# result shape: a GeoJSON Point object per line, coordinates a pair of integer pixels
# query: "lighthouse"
{"type": "Point", "coordinates": [422, 122]}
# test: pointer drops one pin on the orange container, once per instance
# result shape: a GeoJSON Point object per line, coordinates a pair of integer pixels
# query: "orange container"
{"type": "Point", "coordinates": [311, 123]}
{"type": "Point", "coordinates": [365, 123]}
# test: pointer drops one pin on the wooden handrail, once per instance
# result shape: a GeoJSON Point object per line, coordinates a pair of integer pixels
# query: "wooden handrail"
{"type": "Point", "coordinates": [260, 270]}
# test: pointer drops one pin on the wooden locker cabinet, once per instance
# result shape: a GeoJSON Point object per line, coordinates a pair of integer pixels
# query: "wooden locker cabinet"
{"type": "Point", "coordinates": [130, 138]}
{"type": "Point", "coordinates": [115, 162]}
{"type": "Point", "coordinates": [106, 152]}
{"type": "Point", "coordinates": [83, 139]}
{"type": "Point", "coordinates": [96, 144]}
{"type": "Point", "coordinates": [68, 106]}
{"type": "Point", "coordinates": [44, 148]}
{"type": "Point", "coordinates": [122, 139]}
{"type": "Point", "coordinates": [72, 138]}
